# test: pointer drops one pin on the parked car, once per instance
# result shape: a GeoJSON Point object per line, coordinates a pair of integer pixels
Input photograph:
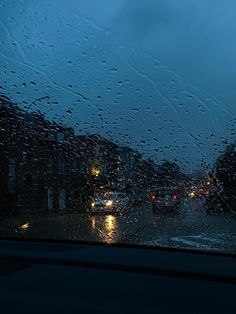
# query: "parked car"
{"type": "Point", "coordinates": [165, 198]}
{"type": "Point", "coordinates": [108, 202]}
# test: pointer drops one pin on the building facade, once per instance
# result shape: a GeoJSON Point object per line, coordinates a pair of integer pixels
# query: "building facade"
{"type": "Point", "coordinates": [45, 166]}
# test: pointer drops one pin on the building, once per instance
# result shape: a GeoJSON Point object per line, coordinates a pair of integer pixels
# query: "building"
{"type": "Point", "coordinates": [45, 166]}
{"type": "Point", "coordinates": [40, 165]}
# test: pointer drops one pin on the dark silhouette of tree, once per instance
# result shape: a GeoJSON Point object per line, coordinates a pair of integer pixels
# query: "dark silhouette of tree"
{"type": "Point", "coordinates": [226, 171]}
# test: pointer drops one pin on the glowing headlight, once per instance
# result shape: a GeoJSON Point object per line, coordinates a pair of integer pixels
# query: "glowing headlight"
{"type": "Point", "coordinates": [25, 226]}
{"type": "Point", "coordinates": [92, 204]}
{"type": "Point", "coordinates": [109, 203]}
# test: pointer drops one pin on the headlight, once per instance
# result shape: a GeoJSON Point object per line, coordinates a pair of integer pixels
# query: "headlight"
{"type": "Point", "coordinates": [92, 204]}
{"type": "Point", "coordinates": [24, 226]}
{"type": "Point", "coordinates": [109, 203]}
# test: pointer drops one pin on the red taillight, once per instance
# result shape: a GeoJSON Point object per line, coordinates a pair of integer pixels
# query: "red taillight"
{"type": "Point", "coordinates": [174, 197]}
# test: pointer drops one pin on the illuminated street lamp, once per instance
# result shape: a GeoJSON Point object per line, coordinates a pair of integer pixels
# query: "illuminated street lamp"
{"type": "Point", "coordinates": [210, 181]}
{"type": "Point", "coordinates": [95, 171]}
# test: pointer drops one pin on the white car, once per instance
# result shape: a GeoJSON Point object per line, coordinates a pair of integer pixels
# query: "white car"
{"type": "Point", "coordinates": [109, 202]}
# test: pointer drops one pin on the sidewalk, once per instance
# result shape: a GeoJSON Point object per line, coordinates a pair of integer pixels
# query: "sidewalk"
{"type": "Point", "coordinates": [31, 217]}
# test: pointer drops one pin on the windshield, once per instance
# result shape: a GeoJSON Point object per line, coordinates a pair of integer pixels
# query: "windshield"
{"type": "Point", "coordinates": [130, 97]}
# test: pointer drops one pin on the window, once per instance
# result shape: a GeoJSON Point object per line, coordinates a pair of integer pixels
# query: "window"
{"type": "Point", "coordinates": [50, 166]}
{"type": "Point", "coordinates": [61, 166]}
{"type": "Point", "coordinates": [50, 198]}
{"type": "Point", "coordinates": [62, 199]}
{"type": "Point", "coordinates": [12, 175]}
{"type": "Point", "coordinates": [60, 137]}
{"type": "Point", "coordinates": [131, 97]}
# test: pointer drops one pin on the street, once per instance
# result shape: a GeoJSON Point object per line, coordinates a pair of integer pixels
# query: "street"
{"type": "Point", "coordinates": [189, 227]}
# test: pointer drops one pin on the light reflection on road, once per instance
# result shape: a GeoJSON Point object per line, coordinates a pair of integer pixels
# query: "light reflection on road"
{"type": "Point", "coordinates": [93, 223]}
{"type": "Point", "coordinates": [190, 226]}
{"type": "Point", "coordinates": [110, 227]}
{"type": "Point", "coordinates": [107, 226]}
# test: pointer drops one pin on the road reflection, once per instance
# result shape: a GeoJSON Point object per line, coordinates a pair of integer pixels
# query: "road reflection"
{"type": "Point", "coordinates": [107, 227]}
{"type": "Point", "coordinates": [110, 224]}
{"type": "Point", "coordinates": [93, 223]}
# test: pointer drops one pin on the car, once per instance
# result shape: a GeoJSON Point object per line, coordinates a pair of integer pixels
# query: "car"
{"type": "Point", "coordinates": [205, 192]}
{"type": "Point", "coordinates": [165, 198]}
{"type": "Point", "coordinates": [194, 194]}
{"type": "Point", "coordinates": [108, 202]}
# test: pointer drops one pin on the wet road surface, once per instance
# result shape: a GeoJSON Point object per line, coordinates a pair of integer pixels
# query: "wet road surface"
{"type": "Point", "coordinates": [189, 227]}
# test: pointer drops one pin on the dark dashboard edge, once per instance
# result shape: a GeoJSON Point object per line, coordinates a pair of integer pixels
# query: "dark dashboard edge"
{"type": "Point", "coordinates": [199, 276]}
{"type": "Point", "coordinates": [120, 245]}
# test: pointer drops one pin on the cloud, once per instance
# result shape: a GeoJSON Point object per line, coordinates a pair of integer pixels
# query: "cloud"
{"type": "Point", "coordinates": [96, 49]}
{"type": "Point", "coordinates": [140, 18]}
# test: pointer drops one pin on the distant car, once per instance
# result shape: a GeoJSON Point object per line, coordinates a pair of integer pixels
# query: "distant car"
{"type": "Point", "coordinates": [205, 192]}
{"type": "Point", "coordinates": [108, 202]}
{"type": "Point", "coordinates": [194, 194]}
{"type": "Point", "coordinates": [199, 193]}
{"type": "Point", "coordinates": [165, 198]}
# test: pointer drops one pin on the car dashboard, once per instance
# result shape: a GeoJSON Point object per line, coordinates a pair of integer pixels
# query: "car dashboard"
{"type": "Point", "coordinates": [48, 277]}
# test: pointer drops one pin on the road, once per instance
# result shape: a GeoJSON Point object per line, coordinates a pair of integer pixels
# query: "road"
{"type": "Point", "coordinates": [190, 227]}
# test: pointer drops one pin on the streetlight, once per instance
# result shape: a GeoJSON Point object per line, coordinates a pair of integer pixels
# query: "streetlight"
{"type": "Point", "coordinates": [95, 171]}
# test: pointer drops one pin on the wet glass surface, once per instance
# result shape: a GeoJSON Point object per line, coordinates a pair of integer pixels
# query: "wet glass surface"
{"type": "Point", "coordinates": [136, 98]}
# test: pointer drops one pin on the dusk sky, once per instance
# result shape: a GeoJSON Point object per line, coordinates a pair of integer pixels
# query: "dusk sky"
{"type": "Point", "coordinates": [156, 75]}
